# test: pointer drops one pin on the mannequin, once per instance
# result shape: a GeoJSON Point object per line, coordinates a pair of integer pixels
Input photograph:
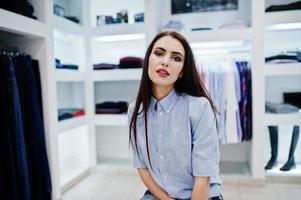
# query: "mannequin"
{"type": "Point", "coordinates": [290, 164]}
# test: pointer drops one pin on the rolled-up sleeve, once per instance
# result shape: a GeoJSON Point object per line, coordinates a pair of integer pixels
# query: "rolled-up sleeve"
{"type": "Point", "coordinates": [205, 147]}
{"type": "Point", "coordinates": [137, 160]}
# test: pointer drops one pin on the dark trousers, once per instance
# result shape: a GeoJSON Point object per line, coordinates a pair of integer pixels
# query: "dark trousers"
{"type": "Point", "coordinates": [24, 169]}
{"type": "Point", "coordinates": [14, 152]}
{"type": "Point", "coordinates": [33, 129]}
{"type": "Point", "coordinates": [147, 192]}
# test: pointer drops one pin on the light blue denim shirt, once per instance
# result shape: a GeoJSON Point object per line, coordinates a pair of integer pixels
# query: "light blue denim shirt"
{"type": "Point", "coordinates": [183, 143]}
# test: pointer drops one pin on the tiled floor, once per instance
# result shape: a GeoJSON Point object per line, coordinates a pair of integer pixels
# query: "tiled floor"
{"type": "Point", "coordinates": [114, 186]}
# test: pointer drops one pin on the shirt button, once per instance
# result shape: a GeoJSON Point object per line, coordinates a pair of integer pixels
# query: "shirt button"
{"type": "Point", "coordinates": [160, 113]}
{"type": "Point", "coordinates": [165, 176]}
{"type": "Point", "coordinates": [160, 135]}
{"type": "Point", "coordinates": [161, 157]}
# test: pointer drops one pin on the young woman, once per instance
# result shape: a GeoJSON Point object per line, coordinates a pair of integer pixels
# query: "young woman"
{"type": "Point", "coordinates": [173, 129]}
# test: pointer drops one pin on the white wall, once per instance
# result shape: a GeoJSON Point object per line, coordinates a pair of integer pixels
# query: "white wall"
{"type": "Point", "coordinates": [69, 49]}
{"type": "Point", "coordinates": [116, 91]}
{"type": "Point", "coordinates": [111, 52]}
{"type": "Point", "coordinates": [70, 95]}
{"type": "Point", "coordinates": [277, 2]}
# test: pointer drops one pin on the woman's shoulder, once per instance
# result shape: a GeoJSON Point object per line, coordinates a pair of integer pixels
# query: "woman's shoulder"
{"type": "Point", "coordinates": [196, 103]}
{"type": "Point", "coordinates": [131, 108]}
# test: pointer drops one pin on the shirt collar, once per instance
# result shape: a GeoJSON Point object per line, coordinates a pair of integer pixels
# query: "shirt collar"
{"type": "Point", "coordinates": [166, 103]}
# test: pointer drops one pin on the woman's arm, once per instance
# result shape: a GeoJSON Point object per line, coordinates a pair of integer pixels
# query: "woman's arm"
{"type": "Point", "coordinates": [153, 187]}
{"type": "Point", "coordinates": [201, 188]}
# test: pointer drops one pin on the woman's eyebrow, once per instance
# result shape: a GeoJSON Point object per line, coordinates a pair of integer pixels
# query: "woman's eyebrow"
{"type": "Point", "coordinates": [173, 52]}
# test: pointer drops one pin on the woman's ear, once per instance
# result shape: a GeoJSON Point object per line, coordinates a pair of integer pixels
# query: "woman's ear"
{"type": "Point", "coordinates": [181, 74]}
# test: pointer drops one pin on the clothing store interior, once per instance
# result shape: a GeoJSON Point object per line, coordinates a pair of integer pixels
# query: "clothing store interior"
{"type": "Point", "coordinates": [65, 133]}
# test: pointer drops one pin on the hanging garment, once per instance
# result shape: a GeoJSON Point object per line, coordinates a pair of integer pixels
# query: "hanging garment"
{"type": "Point", "coordinates": [229, 85]}
{"type": "Point", "coordinates": [26, 173]}
{"type": "Point", "coordinates": [14, 132]}
{"type": "Point", "coordinates": [33, 127]}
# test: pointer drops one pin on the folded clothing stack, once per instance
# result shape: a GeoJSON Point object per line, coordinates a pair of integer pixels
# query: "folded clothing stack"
{"type": "Point", "coordinates": [291, 6]}
{"type": "Point", "coordinates": [129, 62]}
{"type": "Point", "coordinates": [102, 66]}
{"type": "Point", "coordinates": [67, 113]}
{"type": "Point", "coordinates": [110, 107]}
{"type": "Point", "coordinates": [72, 18]}
{"type": "Point", "coordinates": [293, 98]}
{"type": "Point", "coordinates": [280, 108]}
{"type": "Point", "coordinates": [23, 7]}
{"type": "Point", "coordinates": [284, 58]}
{"type": "Point", "coordinates": [58, 65]}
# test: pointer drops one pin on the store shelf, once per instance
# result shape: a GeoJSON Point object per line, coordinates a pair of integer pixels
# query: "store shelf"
{"type": "Point", "coordinates": [277, 172]}
{"type": "Point", "coordinates": [111, 120]}
{"type": "Point", "coordinates": [118, 29]}
{"type": "Point", "coordinates": [70, 124]}
{"type": "Point", "coordinates": [117, 75]}
{"type": "Point", "coordinates": [219, 35]}
{"type": "Point", "coordinates": [65, 75]}
{"type": "Point", "coordinates": [282, 17]}
{"type": "Point", "coordinates": [282, 69]}
{"type": "Point", "coordinates": [22, 25]}
{"type": "Point", "coordinates": [278, 119]}
{"type": "Point", "coordinates": [67, 26]}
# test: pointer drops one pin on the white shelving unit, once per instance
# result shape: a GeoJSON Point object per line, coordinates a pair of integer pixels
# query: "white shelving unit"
{"type": "Point", "coordinates": [117, 75]}
{"type": "Point", "coordinates": [282, 17]}
{"type": "Point", "coordinates": [22, 25]}
{"type": "Point", "coordinates": [70, 124]}
{"type": "Point", "coordinates": [284, 69]}
{"type": "Point", "coordinates": [282, 31]}
{"type": "Point", "coordinates": [39, 40]}
{"type": "Point", "coordinates": [69, 75]}
{"type": "Point", "coordinates": [219, 35]}
{"type": "Point", "coordinates": [67, 26]}
{"type": "Point", "coordinates": [282, 119]}
{"type": "Point", "coordinates": [118, 29]}
{"type": "Point", "coordinates": [111, 120]}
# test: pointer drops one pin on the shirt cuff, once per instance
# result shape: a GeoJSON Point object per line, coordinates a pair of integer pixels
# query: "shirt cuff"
{"type": "Point", "coordinates": [139, 165]}
{"type": "Point", "coordinates": [205, 167]}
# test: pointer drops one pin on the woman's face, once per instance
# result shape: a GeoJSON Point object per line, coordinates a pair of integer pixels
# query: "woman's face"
{"type": "Point", "coordinates": [166, 62]}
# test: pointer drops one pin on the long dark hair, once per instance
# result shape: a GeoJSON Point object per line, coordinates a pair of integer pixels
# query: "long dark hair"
{"type": "Point", "coordinates": [190, 83]}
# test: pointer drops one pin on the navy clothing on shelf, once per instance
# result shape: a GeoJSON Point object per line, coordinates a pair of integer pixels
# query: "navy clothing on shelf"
{"type": "Point", "coordinates": [72, 18]}
{"type": "Point", "coordinates": [130, 62]}
{"type": "Point", "coordinates": [291, 6]}
{"type": "Point", "coordinates": [24, 167]}
{"type": "Point", "coordinates": [293, 98]}
{"type": "Point", "coordinates": [59, 65]}
{"type": "Point", "coordinates": [21, 7]}
{"type": "Point", "coordinates": [282, 58]}
{"type": "Point", "coordinates": [110, 107]}
{"type": "Point", "coordinates": [69, 66]}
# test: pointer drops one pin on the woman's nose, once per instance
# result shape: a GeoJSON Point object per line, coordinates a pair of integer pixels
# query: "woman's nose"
{"type": "Point", "coordinates": [165, 61]}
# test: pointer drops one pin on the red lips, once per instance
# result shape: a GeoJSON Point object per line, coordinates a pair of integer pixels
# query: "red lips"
{"type": "Point", "coordinates": [162, 72]}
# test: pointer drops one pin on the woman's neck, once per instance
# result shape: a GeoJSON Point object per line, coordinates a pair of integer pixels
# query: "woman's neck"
{"type": "Point", "coordinates": [161, 92]}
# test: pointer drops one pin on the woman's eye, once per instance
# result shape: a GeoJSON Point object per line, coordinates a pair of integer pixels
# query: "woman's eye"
{"type": "Point", "coordinates": [158, 53]}
{"type": "Point", "coordinates": [177, 59]}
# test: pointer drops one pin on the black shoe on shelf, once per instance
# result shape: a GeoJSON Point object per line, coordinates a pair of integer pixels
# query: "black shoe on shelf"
{"type": "Point", "coordinates": [270, 164]}
{"type": "Point", "coordinates": [290, 164]}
